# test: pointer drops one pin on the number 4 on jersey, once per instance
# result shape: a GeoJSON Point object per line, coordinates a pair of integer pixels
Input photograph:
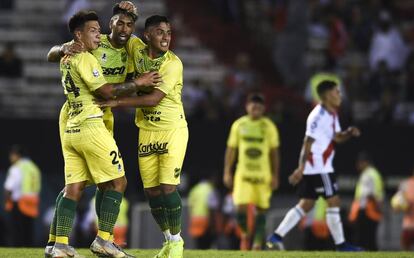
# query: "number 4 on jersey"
{"type": "Point", "coordinates": [70, 85]}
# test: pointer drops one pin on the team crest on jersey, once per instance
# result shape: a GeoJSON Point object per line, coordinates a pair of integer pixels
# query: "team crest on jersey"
{"type": "Point", "coordinates": [103, 57]}
{"type": "Point", "coordinates": [95, 73]}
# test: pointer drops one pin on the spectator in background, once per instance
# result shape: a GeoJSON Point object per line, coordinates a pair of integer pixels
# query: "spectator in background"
{"type": "Point", "coordinates": [22, 188]}
{"type": "Point", "coordinates": [403, 201]}
{"type": "Point", "coordinates": [387, 44]}
{"type": "Point", "coordinates": [10, 64]}
{"type": "Point", "coordinates": [203, 201]}
{"type": "Point", "coordinates": [366, 212]}
{"type": "Point", "coordinates": [121, 225]}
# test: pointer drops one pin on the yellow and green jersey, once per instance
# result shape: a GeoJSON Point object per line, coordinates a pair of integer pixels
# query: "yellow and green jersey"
{"type": "Point", "coordinates": [254, 139]}
{"type": "Point", "coordinates": [169, 113]}
{"type": "Point", "coordinates": [81, 76]}
{"type": "Point", "coordinates": [116, 66]}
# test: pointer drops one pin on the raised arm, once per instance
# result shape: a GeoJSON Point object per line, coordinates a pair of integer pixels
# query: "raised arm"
{"type": "Point", "coordinates": [57, 52]}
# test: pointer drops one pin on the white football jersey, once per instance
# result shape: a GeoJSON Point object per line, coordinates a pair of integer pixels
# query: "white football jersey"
{"type": "Point", "coordinates": [322, 126]}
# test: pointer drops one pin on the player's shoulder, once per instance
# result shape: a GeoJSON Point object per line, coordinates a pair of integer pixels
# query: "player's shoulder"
{"type": "Point", "coordinates": [136, 42]}
{"type": "Point", "coordinates": [267, 121]}
{"type": "Point", "coordinates": [173, 59]}
{"type": "Point", "coordinates": [317, 112]}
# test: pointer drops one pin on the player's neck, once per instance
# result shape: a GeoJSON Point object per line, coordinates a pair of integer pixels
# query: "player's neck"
{"type": "Point", "coordinates": [113, 42]}
{"type": "Point", "coordinates": [153, 53]}
{"type": "Point", "coordinates": [331, 109]}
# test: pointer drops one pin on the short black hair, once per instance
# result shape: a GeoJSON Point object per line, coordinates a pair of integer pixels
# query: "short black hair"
{"type": "Point", "coordinates": [325, 86]}
{"type": "Point", "coordinates": [79, 19]}
{"type": "Point", "coordinates": [155, 20]}
{"type": "Point", "coordinates": [118, 10]}
{"type": "Point", "coordinates": [256, 97]}
{"type": "Point", "coordinates": [18, 149]}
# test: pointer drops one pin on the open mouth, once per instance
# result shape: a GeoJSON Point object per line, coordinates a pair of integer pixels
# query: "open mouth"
{"type": "Point", "coordinates": [164, 44]}
{"type": "Point", "coordinates": [123, 37]}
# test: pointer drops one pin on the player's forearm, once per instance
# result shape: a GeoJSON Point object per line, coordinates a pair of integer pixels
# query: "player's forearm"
{"type": "Point", "coordinates": [229, 159]}
{"type": "Point", "coordinates": [342, 137]}
{"type": "Point", "coordinates": [123, 89]}
{"type": "Point", "coordinates": [54, 54]}
{"type": "Point", "coordinates": [305, 152]}
{"type": "Point", "coordinates": [139, 101]}
{"type": "Point", "coordinates": [275, 158]}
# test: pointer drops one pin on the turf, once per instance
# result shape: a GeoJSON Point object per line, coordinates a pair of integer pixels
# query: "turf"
{"type": "Point", "coordinates": [38, 252]}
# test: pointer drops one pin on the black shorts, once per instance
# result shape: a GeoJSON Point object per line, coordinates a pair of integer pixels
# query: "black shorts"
{"type": "Point", "coordinates": [313, 186]}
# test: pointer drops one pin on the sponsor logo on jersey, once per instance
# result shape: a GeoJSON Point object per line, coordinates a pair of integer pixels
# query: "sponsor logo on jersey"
{"type": "Point", "coordinates": [253, 153]}
{"type": "Point", "coordinates": [103, 57]}
{"type": "Point", "coordinates": [151, 115]}
{"type": "Point", "coordinates": [95, 73]}
{"type": "Point", "coordinates": [152, 148]}
{"type": "Point", "coordinates": [113, 70]}
{"type": "Point", "coordinates": [177, 172]}
{"type": "Point", "coordinates": [253, 180]}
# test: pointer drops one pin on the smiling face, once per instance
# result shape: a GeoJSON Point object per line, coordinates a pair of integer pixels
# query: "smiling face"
{"type": "Point", "coordinates": [159, 37]}
{"type": "Point", "coordinates": [122, 26]}
{"type": "Point", "coordinates": [89, 35]}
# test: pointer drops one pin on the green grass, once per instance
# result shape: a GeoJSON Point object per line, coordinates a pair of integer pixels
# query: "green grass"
{"type": "Point", "coordinates": [38, 252]}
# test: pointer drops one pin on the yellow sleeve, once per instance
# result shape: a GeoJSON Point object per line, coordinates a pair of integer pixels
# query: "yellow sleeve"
{"type": "Point", "coordinates": [233, 140]}
{"type": "Point", "coordinates": [91, 71]}
{"type": "Point", "coordinates": [171, 73]}
{"type": "Point", "coordinates": [273, 136]}
{"type": "Point", "coordinates": [134, 43]}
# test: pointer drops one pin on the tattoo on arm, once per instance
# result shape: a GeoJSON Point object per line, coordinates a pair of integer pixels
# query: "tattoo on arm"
{"type": "Point", "coordinates": [124, 89]}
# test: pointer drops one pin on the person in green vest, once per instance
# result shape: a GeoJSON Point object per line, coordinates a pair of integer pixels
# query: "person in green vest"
{"type": "Point", "coordinates": [366, 208]}
{"type": "Point", "coordinates": [121, 224]}
{"type": "Point", "coordinates": [22, 188]}
{"type": "Point", "coordinates": [316, 231]}
{"type": "Point", "coordinates": [203, 201]}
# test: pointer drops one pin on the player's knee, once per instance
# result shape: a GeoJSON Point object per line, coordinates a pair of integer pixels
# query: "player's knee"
{"type": "Point", "coordinates": [167, 189]}
{"type": "Point", "coordinates": [74, 191]}
{"type": "Point", "coordinates": [306, 205]}
{"type": "Point", "coordinates": [153, 191]}
{"type": "Point", "coordinates": [120, 184]}
{"type": "Point", "coordinates": [334, 201]}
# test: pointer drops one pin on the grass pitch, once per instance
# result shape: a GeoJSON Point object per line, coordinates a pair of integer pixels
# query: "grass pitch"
{"type": "Point", "coordinates": [38, 252]}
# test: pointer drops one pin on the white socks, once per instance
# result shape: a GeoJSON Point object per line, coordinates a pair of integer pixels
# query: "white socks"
{"type": "Point", "coordinates": [167, 235]}
{"type": "Point", "coordinates": [175, 238]}
{"type": "Point", "coordinates": [333, 219]}
{"type": "Point", "coordinates": [290, 220]}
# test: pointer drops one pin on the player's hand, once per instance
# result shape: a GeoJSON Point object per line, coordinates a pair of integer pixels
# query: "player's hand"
{"type": "Point", "coordinates": [353, 131]}
{"type": "Point", "coordinates": [148, 79]}
{"type": "Point", "coordinates": [72, 48]}
{"type": "Point", "coordinates": [275, 183]}
{"type": "Point", "coordinates": [296, 176]}
{"type": "Point", "coordinates": [107, 103]}
{"type": "Point", "coordinates": [228, 180]}
{"type": "Point", "coordinates": [128, 6]}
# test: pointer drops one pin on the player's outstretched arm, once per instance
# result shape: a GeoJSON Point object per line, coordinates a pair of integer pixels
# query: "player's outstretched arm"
{"type": "Point", "coordinates": [297, 175]}
{"type": "Point", "coordinates": [57, 52]}
{"type": "Point", "coordinates": [229, 159]}
{"type": "Point", "coordinates": [149, 100]}
{"type": "Point", "coordinates": [110, 91]}
{"type": "Point", "coordinates": [344, 136]}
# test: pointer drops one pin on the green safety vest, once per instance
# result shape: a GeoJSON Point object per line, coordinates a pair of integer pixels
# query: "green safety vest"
{"type": "Point", "coordinates": [379, 184]}
{"type": "Point", "coordinates": [319, 210]}
{"type": "Point", "coordinates": [320, 77]}
{"type": "Point", "coordinates": [198, 199]}
{"type": "Point", "coordinates": [31, 178]}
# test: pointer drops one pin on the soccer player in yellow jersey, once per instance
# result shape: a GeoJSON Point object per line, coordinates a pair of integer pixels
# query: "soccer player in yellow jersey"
{"type": "Point", "coordinates": [254, 142]}
{"type": "Point", "coordinates": [115, 62]}
{"type": "Point", "coordinates": [163, 131]}
{"type": "Point", "coordinates": [90, 152]}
